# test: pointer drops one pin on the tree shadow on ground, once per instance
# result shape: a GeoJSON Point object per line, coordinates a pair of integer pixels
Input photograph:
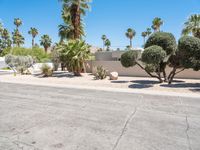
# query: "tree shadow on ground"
{"type": "Point", "coordinates": [63, 75]}
{"type": "Point", "coordinates": [194, 87]}
{"type": "Point", "coordinates": [141, 84]}
{"type": "Point", "coordinates": [119, 81]}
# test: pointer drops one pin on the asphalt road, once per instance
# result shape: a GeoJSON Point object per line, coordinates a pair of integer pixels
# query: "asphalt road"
{"type": "Point", "coordinates": [51, 118]}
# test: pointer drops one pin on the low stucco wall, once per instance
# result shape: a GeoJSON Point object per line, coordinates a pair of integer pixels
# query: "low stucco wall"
{"type": "Point", "coordinates": [135, 71]}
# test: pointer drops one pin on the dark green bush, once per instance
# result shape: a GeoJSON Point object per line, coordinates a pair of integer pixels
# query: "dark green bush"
{"type": "Point", "coordinates": [189, 52]}
{"type": "Point", "coordinates": [163, 39]}
{"type": "Point", "coordinates": [129, 58]}
{"type": "Point", "coordinates": [153, 55]}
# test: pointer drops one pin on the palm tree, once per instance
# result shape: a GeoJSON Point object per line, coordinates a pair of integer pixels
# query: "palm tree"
{"type": "Point", "coordinates": [5, 35]}
{"type": "Point", "coordinates": [192, 26]}
{"type": "Point", "coordinates": [156, 24]}
{"type": "Point", "coordinates": [17, 38]}
{"type": "Point", "coordinates": [130, 34]}
{"type": "Point", "coordinates": [107, 44]}
{"type": "Point", "coordinates": [104, 38]}
{"type": "Point", "coordinates": [33, 32]}
{"type": "Point", "coordinates": [148, 32]}
{"type": "Point", "coordinates": [144, 35]}
{"type": "Point", "coordinates": [73, 10]}
{"type": "Point", "coordinates": [45, 42]}
{"type": "Point", "coordinates": [74, 54]}
{"type": "Point", "coordinates": [1, 27]}
{"type": "Point", "coordinates": [17, 22]}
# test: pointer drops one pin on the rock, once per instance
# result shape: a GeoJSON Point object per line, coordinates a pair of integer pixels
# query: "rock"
{"type": "Point", "coordinates": [114, 76]}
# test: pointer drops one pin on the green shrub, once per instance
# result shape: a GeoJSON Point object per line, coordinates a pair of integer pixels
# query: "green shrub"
{"type": "Point", "coordinates": [20, 63]}
{"type": "Point", "coordinates": [189, 50]}
{"type": "Point", "coordinates": [129, 58]}
{"type": "Point", "coordinates": [153, 55]}
{"type": "Point", "coordinates": [38, 54]}
{"type": "Point", "coordinates": [163, 39]}
{"type": "Point", "coordinates": [47, 71]}
{"type": "Point", "coordinates": [100, 73]}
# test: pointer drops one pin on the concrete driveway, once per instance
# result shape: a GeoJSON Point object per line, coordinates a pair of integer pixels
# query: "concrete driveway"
{"type": "Point", "coordinates": [52, 118]}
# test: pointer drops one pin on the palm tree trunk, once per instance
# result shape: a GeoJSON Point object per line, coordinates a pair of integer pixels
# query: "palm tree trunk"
{"type": "Point", "coordinates": [131, 44]}
{"type": "Point", "coordinates": [33, 43]}
{"type": "Point", "coordinates": [45, 48]}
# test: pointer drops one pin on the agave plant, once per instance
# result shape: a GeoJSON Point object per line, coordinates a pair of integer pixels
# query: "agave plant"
{"type": "Point", "coordinates": [74, 54]}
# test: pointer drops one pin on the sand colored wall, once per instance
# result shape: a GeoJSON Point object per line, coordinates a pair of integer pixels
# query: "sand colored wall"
{"type": "Point", "coordinates": [134, 71]}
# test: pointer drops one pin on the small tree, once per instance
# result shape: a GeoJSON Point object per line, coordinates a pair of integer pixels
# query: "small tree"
{"type": "Point", "coordinates": [151, 57]}
{"type": "Point", "coordinates": [187, 56]}
{"type": "Point", "coordinates": [107, 44]}
{"type": "Point", "coordinates": [45, 42]}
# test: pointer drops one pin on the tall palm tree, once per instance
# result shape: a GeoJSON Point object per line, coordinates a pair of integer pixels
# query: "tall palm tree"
{"type": "Point", "coordinates": [107, 44]}
{"type": "Point", "coordinates": [33, 32]}
{"type": "Point", "coordinates": [192, 26]}
{"type": "Point", "coordinates": [104, 38]}
{"type": "Point", "coordinates": [73, 11]}
{"type": "Point", "coordinates": [17, 22]}
{"type": "Point", "coordinates": [45, 42]}
{"type": "Point", "coordinates": [148, 32]}
{"type": "Point", "coordinates": [5, 35]}
{"type": "Point", "coordinates": [1, 27]}
{"type": "Point", "coordinates": [156, 24]}
{"type": "Point", "coordinates": [130, 34]}
{"type": "Point", "coordinates": [144, 35]}
{"type": "Point", "coordinates": [17, 38]}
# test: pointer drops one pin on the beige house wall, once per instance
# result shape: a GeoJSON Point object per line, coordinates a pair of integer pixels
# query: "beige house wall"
{"type": "Point", "coordinates": [134, 71]}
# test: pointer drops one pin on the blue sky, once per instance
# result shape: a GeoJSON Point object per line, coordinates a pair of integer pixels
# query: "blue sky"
{"type": "Point", "coordinates": [110, 17]}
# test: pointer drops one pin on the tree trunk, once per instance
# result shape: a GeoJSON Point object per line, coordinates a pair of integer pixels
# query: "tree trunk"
{"type": "Point", "coordinates": [131, 44]}
{"type": "Point", "coordinates": [45, 48]}
{"type": "Point", "coordinates": [33, 43]}
{"type": "Point", "coordinates": [151, 75]}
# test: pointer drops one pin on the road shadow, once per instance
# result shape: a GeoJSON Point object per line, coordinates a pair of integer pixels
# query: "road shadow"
{"type": "Point", "coordinates": [63, 75]}
{"type": "Point", "coordinates": [141, 84]}
{"type": "Point", "coordinates": [119, 81]}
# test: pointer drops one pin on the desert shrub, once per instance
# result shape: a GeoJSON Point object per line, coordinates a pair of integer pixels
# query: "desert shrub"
{"type": "Point", "coordinates": [100, 73]}
{"type": "Point", "coordinates": [163, 39]}
{"type": "Point", "coordinates": [20, 63]}
{"type": "Point", "coordinates": [129, 58]}
{"type": "Point", "coordinates": [46, 70]}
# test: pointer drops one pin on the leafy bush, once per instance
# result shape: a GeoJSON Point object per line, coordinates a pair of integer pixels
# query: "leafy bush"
{"type": "Point", "coordinates": [74, 54]}
{"type": "Point", "coordinates": [129, 58]}
{"type": "Point", "coordinates": [47, 71]}
{"type": "Point", "coordinates": [189, 52]}
{"type": "Point", "coordinates": [163, 39]}
{"type": "Point", "coordinates": [38, 54]}
{"type": "Point", "coordinates": [20, 63]}
{"type": "Point", "coordinates": [100, 73]}
{"type": "Point", "coordinates": [153, 55]}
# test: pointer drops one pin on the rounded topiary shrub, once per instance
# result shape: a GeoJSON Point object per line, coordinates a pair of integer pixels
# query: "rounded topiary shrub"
{"type": "Point", "coordinates": [163, 39]}
{"type": "Point", "coordinates": [129, 58]}
{"type": "Point", "coordinates": [189, 51]}
{"type": "Point", "coordinates": [189, 46]}
{"type": "Point", "coordinates": [153, 55]}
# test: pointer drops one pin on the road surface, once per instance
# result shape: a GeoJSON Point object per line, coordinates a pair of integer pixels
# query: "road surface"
{"type": "Point", "coordinates": [52, 118]}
